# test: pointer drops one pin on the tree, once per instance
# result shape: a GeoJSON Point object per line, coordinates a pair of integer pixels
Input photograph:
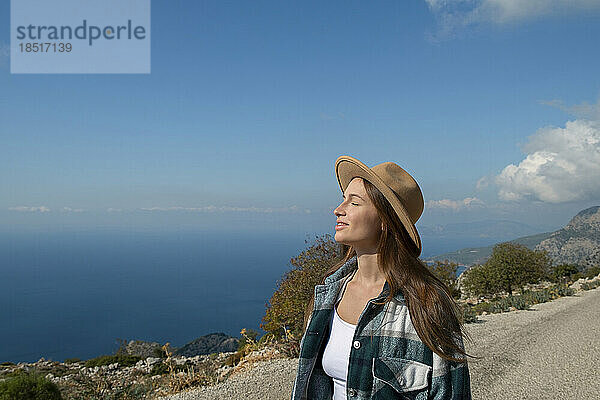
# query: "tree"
{"type": "Point", "coordinates": [285, 309]}
{"type": "Point", "coordinates": [505, 264]}
{"type": "Point", "coordinates": [537, 267]}
{"type": "Point", "coordinates": [513, 265]}
{"type": "Point", "coordinates": [562, 271]}
{"type": "Point", "coordinates": [477, 281]}
{"type": "Point", "coordinates": [446, 272]}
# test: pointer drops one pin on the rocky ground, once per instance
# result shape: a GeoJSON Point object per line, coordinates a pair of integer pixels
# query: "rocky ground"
{"type": "Point", "coordinates": [150, 377]}
{"type": "Point", "coordinates": [76, 380]}
{"type": "Point", "coordinates": [264, 380]}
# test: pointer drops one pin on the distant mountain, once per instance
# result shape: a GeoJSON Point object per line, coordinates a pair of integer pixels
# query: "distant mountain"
{"type": "Point", "coordinates": [207, 344]}
{"type": "Point", "coordinates": [440, 239]}
{"type": "Point", "coordinates": [478, 255]}
{"type": "Point", "coordinates": [578, 242]}
{"type": "Point", "coordinates": [494, 229]}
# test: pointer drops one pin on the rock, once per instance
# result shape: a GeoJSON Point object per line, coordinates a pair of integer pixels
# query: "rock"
{"type": "Point", "coordinates": [150, 361]}
{"type": "Point", "coordinates": [207, 344]}
{"type": "Point", "coordinates": [142, 349]}
{"type": "Point", "coordinates": [577, 284]}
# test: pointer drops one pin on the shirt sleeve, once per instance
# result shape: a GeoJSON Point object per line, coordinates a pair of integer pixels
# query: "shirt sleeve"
{"type": "Point", "coordinates": [450, 380]}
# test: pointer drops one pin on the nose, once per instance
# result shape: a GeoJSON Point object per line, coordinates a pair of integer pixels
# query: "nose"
{"type": "Point", "coordinates": [338, 210]}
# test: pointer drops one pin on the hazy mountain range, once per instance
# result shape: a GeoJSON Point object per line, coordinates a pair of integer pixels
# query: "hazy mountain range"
{"type": "Point", "coordinates": [578, 242]}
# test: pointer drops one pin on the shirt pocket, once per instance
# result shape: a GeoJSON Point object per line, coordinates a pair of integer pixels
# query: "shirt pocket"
{"type": "Point", "coordinates": [395, 378]}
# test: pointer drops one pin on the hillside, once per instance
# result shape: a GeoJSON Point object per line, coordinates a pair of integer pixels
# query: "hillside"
{"type": "Point", "coordinates": [478, 255]}
{"type": "Point", "coordinates": [578, 242]}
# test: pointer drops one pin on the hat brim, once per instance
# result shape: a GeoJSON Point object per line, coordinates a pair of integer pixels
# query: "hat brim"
{"type": "Point", "coordinates": [347, 168]}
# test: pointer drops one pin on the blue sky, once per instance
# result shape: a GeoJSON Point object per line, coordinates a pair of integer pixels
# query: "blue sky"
{"type": "Point", "coordinates": [248, 104]}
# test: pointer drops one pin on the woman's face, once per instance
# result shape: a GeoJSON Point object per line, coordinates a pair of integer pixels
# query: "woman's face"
{"type": "Point", "coordinates": [358, 224]}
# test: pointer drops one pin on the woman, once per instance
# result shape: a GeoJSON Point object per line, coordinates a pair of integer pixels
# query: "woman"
{"type": "Point", "coordinates": [381, 325]}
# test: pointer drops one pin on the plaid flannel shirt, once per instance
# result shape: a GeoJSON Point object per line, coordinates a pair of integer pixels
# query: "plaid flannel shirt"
{"type": "Point", "coordinates": [387, 360]}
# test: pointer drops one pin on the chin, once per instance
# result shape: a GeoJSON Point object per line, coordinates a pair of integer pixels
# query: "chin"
{"type": "Point", "coordinates": [341, 240]}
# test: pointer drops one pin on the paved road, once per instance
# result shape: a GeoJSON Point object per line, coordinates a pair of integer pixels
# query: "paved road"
{"type": "Point", "coordinates": [549, 352]}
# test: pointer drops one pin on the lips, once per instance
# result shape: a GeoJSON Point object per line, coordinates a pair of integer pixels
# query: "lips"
{"type": "Point", "coordinates": [340, 225]}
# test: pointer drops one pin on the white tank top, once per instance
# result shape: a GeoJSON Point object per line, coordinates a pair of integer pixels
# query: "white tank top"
{"type": "Point", "coordinates": [337, 354]}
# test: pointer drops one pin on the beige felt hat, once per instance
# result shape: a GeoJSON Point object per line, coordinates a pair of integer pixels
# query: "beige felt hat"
{"type": "Point", "coordinates": [397, 185]}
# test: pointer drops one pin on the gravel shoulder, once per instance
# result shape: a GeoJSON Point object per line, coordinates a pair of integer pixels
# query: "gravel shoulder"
{"type": "Point", "coordinates": [551, 351]}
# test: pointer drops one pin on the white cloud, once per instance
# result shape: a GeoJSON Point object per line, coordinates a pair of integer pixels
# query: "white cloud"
{"type": "Point", "coordinates": [482, 183]}
{"type": "Point", "coordinates": [41, 209]}
{"type": "Point", "coordinates": [455, 205]}
{"type": "Point", "coordinates": [562, 164]}
{"type": "Point", "coordinates": [69, 209]}
{"type": "Point", "coordinates": [44, 209]}
{"type": "Point", "coordinates": [111, 210]}
{"type": "Point", "coordinates": [291, 209]}
{"type": "Point", "coordinates": [456, 14]}
{"type": "Point", "coordinates": [583, 110]}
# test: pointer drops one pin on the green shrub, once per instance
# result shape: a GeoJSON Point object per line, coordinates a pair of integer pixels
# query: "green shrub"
{"type": "Point", "coordinates": [482, 307]}
{"type": "Point", "coordinates": [590, 285]}
{"type": "Point", "coordinates": [137, 391]}
{"type": "Point", "coordinates": [123, 360]}
{"type": "Point", "coordinates": [531, 297]}
{"type": "Point", "coordinates": [29, 386]}
{"type": "Point", "coordinates": [468, 314]}
{"type": "Point", "coordinates": [521, 302]}
{"type": "Point", "coordinates": [564, 290]}
{"type": "Point", "coordinates": [592, 272]}
{"type": "Point", "coordinates": [563, 271]}
{"type": "Point", "coordinates": [285, 310]}
{"type": "Point", "coordinates": [72, 360]}
{"type": "Point", "coordinates": [502, 305]}
{"type": "Point", "coordinates": [541, 296]}
{"type": "Point", "coordinates": [576, 276]}
{"type": "Point", "coordinates": [159, 368]}
{"type": "Point", "coordinates": [159, 353]}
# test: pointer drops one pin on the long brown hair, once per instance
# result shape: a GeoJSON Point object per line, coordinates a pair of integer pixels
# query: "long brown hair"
{"type": "Point", "coordinates": [433, 311]}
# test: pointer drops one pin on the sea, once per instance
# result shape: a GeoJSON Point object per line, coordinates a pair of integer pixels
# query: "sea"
{"type": "Point", "coordinates": [78, 294]}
